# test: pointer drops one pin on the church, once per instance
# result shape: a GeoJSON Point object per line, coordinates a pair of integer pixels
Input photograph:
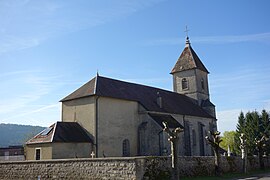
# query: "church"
{"type": "Point", "coordinates": [111, 118]}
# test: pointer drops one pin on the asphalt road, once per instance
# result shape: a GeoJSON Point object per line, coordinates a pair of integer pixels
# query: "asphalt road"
{"type": "Point", "coordinates": [265, 176]}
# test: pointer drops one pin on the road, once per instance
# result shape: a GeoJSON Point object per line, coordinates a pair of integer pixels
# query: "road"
{"type": "Point", "coordinates": [265, 176]}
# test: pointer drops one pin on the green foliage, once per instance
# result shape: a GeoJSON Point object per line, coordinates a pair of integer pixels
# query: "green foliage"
{"type": "Point", "coordinates": [239, 129]}
{"type": "Point", "coordinates": [14, 134]}
{"type": "Point", "coordinates": [254, 126]}
{"type": "Point", "coordinates": [228, 139]}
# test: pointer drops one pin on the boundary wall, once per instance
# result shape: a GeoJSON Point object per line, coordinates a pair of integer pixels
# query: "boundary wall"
{"type": "Point", "coordinates": [135, 168]}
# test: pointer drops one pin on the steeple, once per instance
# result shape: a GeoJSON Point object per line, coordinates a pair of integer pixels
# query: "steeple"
{"type": "Point", "coordinates": [188, 60]}
{"type": "Point", "coordinates": [190, 77]}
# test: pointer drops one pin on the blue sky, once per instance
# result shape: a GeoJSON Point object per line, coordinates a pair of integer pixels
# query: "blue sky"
{"type": "Point", "coordinates": [50, 48]}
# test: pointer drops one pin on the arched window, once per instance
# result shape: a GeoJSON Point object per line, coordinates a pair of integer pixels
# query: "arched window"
{"type": "Point", "coordinates": [184, 84]}
{"type": "Point", "coordinates": [202, 83]}
{"type": "Point", "coordinates": [126, 148]}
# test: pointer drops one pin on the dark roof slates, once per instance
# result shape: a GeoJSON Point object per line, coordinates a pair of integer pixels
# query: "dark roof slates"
{"type": "Point", "coordinates": [172, 102]}
{"type": "Point", "coordinates": [159, 118]}
{"type": "Point", "coordinates": [68, 132]}
{"type": "Point", "coordinates": [188, 60]}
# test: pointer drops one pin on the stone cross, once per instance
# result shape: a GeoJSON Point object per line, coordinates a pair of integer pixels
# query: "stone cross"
{"type": "Point", "coordinates": [214, 141]}
{"type": "Point", "coordinates": [92, 154]}
{"type": "Point", "coordinates": [243, 145]}
{"type": "Point", "coordinates": [173, 138]}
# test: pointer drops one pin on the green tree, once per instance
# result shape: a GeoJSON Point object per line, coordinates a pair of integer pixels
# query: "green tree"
{"type": "Point", "coordinates": [266, 128]}
{"type": "Point", "coordinates": [228, 139]}
{"type": "Point", "coordinates": [252, 131]}
{"type": "Point", "coordinates": [254, 125]}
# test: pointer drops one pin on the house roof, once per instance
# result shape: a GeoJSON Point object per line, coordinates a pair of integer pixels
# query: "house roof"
{"type": "Point", "coordinates": [173, 103]}
{"type": "Point", "coordinates": [61, 132]}
{"type": "Point", "coordinates": [188, 60]}
{"type": "Point", "coordinates": [159, 118]}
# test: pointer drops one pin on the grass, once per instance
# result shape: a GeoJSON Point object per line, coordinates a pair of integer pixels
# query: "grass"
{"type": "Point", "coordinates": [228, 175]}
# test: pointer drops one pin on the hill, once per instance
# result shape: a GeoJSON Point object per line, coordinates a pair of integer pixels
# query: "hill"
{"type": "Point", "coordinates": [14, 134]}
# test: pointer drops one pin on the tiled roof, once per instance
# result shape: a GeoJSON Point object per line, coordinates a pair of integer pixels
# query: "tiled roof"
{"type": "Point", "coordinates": [207, 103]}
{"type": "Point", "coordinates": [86, 90]}
{"type": "Point", "coordinates": [159, 118]}
{"type": "Point", "coordinates": [61, 132]}
{"type": "Point", "coordinates": [188, 60]}
{"type": "Point", "coordinates": [172, 102]}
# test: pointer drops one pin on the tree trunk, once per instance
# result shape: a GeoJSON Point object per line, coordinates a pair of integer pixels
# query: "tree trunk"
{"type": "Point", "coordinates": [174, 149]}
{"type": "Point", "coordinates": [217, 159]}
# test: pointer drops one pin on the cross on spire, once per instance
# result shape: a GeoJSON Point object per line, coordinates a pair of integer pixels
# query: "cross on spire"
{"type": "Point", "coordinates": [187, 38]}
{"type": "Point", "coordinates": [186, 31]}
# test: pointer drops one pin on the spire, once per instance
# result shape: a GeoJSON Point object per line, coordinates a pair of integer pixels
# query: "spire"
{"type": "Point", "coordinates": [188, 59]}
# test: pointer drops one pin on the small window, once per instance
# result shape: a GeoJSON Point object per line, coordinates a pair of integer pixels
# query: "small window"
{"type": "Point", "coordinates": [202, 84]}
{"type": "Point", "coordinates": [37, 154]}
{"type": "Point", "coordinates": [194, 137]}
{"type": "Point", "coordinates": [126, 148]}
{"type": "Point", "coordinates": [184, 84]}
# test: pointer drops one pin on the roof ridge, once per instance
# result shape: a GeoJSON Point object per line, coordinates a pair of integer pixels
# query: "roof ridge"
{"type": "Point", "coordinates": [95, 86]}
{"type": "Point", "coordinates": [54, 129]}
{"type": "Point", "coordinates": [134, 83]}
{"type": "Point", "coordinates": [190, 49]}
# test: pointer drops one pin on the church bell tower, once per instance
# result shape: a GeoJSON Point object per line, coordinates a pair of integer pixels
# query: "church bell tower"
{"type": "Point", "coordinates": [190, 77]}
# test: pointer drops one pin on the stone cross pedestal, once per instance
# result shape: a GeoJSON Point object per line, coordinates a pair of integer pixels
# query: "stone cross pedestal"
{"type": "Point", "coordinates": [173, 138]}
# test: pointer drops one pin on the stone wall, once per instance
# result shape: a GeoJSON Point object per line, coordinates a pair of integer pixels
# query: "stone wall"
{"type": "Point", "coordinates": [120, 168]}
{"type": "Point", "coordinates": [123, 168]}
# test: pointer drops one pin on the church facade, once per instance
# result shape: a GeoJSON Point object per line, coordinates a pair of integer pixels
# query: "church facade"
{"type": "Point", "coordinates": [125, 119]}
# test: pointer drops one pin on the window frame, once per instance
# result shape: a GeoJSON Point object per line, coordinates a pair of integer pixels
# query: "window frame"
{"type": "Point", "coordinates": [37, 149]}
{"type": "Point", "coordinates": [184, 84]}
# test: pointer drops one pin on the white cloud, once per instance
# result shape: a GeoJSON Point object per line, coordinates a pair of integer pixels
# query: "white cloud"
{"type": "Point", "coordinates": [26, 24]}
{"type": "Point", "coordinates": [245, 88]}
{"type": "Point", "coordinates": [26, 98]}
{"type": "Point", "coordinates": [228, 119]}
{"type": "Point", "coordinates": [44, 108]}
{"type": "Point", "coordinates": [260, 37]}
{"type": "Point", "coordinates": [22, 88]}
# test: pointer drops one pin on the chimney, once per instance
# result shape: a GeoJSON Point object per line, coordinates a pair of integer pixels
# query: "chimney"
{"type": "Point", "coordinates": [159, 100]}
